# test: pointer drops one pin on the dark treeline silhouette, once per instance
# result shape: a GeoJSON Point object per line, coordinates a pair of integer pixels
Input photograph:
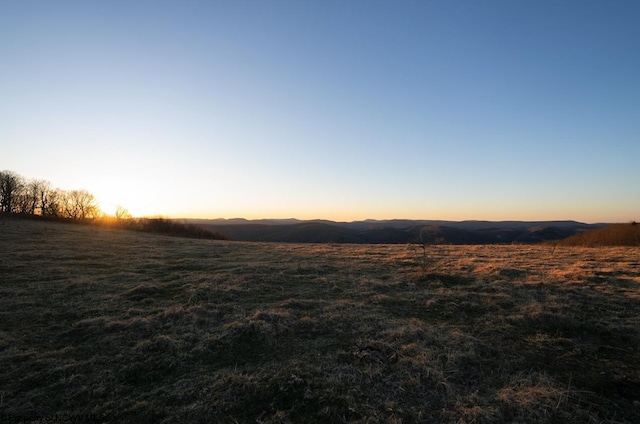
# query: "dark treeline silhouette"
{"type": "Point", "coordinates": [36, 199]}
{"type": "Point", "coordinates": [165, 226]}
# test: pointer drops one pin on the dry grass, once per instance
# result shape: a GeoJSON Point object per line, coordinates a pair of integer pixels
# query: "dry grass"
{"type": "Point", "coordinates": [612, 235]}
{"type": "Point", "coordinates": [141, 328]}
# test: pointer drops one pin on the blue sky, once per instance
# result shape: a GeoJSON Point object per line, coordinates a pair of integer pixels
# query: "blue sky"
{"type": "Point", "coordinates": [341, 110]}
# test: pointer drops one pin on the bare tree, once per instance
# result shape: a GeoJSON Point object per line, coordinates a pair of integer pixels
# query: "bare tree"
{"type": "Point", "coordinates": [37, 196]}
{"type": "Point", "coordinates": [44, 192]}
{"type": "Point", "coordinates": [10, 185]}
{"type": "Point", "coordinates": [29, 196]}
{"type": "Point", "coordinates": [66, 205]}
{"type": "Point", "coordinates": [122, 213]}
{"type": "Point", "coordinates": [53, 203]}
{"type": "Point", "coordinates": [80, 204]}
{"type": "Point", "coordinates": [20, 201]}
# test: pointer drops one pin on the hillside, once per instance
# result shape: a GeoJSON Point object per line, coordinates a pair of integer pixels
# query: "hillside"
{"type": "Point", "coordinates": [614, 235]}
{"type": "Point", "coordinates": [394, 231]}
{"type": "Point", "coordinates": [113, 326]}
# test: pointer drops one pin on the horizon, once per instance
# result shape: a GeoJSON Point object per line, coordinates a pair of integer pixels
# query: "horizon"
{"type": "Point", "coordinates": [395, 219]}
{"type": "Point", "coordinates": [347, 111]}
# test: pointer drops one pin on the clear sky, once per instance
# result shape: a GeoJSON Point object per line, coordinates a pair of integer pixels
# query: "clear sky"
{"type": "Point", "coordinates": [341, 110]}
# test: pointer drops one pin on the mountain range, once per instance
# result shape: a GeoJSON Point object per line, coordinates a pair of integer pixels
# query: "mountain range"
{"type": "Point", "coordinates": [393, 231]}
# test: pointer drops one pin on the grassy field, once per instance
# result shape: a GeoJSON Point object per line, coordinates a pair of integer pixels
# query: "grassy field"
{"type": "Point", "coordinates": [111, 326]}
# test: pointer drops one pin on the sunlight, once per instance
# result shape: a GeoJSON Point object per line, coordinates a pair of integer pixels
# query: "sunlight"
{"type": "Point", "coordinates": [135, 203]}
{"type": "Point", "coordinates": [108, 208]}
{"type": "Point", "coordinates": [137, 209]}
{"type": "Point", "coordinates": [137, 200]}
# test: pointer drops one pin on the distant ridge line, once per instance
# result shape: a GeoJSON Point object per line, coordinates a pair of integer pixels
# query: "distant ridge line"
{"type": "Point", "coordinates": [394, 230]}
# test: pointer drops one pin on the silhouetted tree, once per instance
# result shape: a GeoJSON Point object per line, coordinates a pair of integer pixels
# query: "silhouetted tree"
{"type": "Point", "coordinates": [20, 201]}
{"type": "Point", "coordinates": [10, 186]}
{"type": "Point", "coordinates": [78, 204]}
{"type": "Point", "coordinates": [35, 197]}
{"type": "Point", "coordinates": [44, 193]}
{"type": "Point", "coordinates": [122, 213]}
{"type": "Point", "coordinates": [53, 204]}
{"type": "Point", "coordinates": [82, 205]}
{"type": "Point", "coordinates": [28, 197]}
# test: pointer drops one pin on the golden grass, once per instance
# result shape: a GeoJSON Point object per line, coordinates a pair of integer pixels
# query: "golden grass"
{"type": "Point", "coordinates": [130, 327]}
{"type": "Point", "coordinates": [612, 235]}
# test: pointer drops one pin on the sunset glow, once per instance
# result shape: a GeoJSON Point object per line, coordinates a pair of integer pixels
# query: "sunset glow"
{"type": "Point", "coordinates": [335, 110]}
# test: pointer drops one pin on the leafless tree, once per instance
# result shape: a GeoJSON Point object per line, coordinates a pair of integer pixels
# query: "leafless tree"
{"type": "Point", "coordinates": [37, 197]}
{"type": "Point", "coordinates": [10, 186]}
{"type": "Point", "coordinates": [53, 204]}
{"type": "Point", "coordinates": [122, 213]}
{"type": "Point", "coordinates": [81, 205]}
{"type": "Point", "coordinates": [44, 192]}
{"type": "Point", "coordinates": [66, 205]}
{"type": "Point", "coordinates": [20, 202]}
{"type": "Point", "coordinates": [29, 196]}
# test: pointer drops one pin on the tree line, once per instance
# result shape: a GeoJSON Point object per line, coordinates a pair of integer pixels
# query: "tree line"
{"type": "Point", "coordinates": [38, 197]}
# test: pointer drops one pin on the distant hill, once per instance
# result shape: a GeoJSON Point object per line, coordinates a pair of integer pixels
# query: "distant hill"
{"type": "Point", "coordinates": [613, 235]}
{"type": "Point", "coordinates": [394, 231]}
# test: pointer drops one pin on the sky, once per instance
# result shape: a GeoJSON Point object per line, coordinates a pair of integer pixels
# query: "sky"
{"type": "Point", "coordinates": [331, 109]}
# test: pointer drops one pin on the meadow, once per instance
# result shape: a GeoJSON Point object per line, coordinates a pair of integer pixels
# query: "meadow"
{"type": "Point", "coordinates": [111, 326]}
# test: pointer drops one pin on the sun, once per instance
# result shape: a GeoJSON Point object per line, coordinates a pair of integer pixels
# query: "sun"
{"type": "Point", "coordinates": [138, 204]}
{"type": "Point", "coordinates": [108, 208]}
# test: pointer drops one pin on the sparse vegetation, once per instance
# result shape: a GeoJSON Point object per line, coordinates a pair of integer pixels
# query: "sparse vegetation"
{"type": "Point", "coordinates": [426, 242]}
{"type": "Point", "coordinates": [613, 235]}
{"type": "Point", "coordinates": [164, 226]}
{"type": "Point", "coordinates": [136, 327]}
